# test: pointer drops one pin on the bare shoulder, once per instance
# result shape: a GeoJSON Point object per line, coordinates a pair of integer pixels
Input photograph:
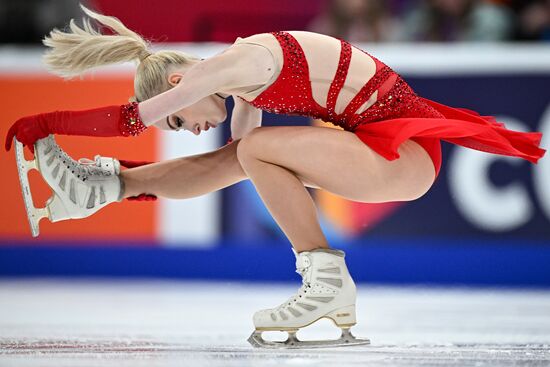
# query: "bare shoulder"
{"type": "Point", "coordinates": [268, 38]}
{"type": "Point", "coordinates": [311, 36]}
{"type": "Point", "coordinates": [243, 65]}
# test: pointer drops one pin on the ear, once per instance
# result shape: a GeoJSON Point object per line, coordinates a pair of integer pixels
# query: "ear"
{"type": "Point", "coordinates": [174, 78]}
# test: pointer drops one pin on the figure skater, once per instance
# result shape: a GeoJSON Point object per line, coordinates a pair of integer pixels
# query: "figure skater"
{"type": "Point", "coordinates": [388, 150]}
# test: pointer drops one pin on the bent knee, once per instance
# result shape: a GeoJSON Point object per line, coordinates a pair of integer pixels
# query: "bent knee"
{"type": "Point", "coordinates": [250, 144]}
{"type": "Point", "coordinates": [247, 145]}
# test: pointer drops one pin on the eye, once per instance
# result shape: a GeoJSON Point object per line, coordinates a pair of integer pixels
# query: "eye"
{"type": "Point", "coordinates": [177, 123]}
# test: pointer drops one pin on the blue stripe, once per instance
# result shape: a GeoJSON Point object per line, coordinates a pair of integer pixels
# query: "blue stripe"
{"type": "Point", "coordinates": [396, 261]}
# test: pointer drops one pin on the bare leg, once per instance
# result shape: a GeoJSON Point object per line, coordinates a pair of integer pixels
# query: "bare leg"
{"type": "Point", "coordinates": [287, 200]}
{"type": "Point", "coordinates": [186, 177]}
{"type": "Point", "coordinates": [334, 160]}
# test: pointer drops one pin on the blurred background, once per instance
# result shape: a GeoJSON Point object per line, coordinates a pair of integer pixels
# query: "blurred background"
{"type": "Point", "coordinates": [485, 222]}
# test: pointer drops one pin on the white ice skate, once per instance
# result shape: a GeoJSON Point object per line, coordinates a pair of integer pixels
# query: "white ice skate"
{"type": "Point", "coordinates": [79, 188]}
{"type": "Point", "coordinates": [327, 291]}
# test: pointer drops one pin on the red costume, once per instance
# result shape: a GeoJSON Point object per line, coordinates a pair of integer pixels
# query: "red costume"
{"type": "Point", "coordinates": [397, 115]}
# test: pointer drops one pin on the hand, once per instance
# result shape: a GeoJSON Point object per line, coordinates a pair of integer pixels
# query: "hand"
{"type": "Point", "coordinates": [142, 197]}
{"type": "Point", "coordinates": [27, 130]}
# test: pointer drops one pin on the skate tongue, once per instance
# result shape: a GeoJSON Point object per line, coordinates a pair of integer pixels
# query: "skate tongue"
{"type": "Point", "coordinates": [303, 263]}
{"type": "Point", "coordinates": [110, 164]}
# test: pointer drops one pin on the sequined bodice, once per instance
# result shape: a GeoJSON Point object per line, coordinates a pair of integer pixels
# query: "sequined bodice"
{"type": "Point", "coordinates": [291, 92]}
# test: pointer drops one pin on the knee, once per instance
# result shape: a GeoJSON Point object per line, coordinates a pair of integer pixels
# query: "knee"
{"type": "Point", "coordinates": [248, 147]}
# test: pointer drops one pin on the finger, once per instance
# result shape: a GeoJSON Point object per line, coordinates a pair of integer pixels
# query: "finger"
{"type": "Point", "coordinates": [142, 197]}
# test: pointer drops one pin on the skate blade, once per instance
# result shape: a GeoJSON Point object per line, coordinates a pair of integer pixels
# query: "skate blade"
{"type": "Point", "coordinates": [23, 167]}
{"type": "Point", "coordinates": [292, 342]}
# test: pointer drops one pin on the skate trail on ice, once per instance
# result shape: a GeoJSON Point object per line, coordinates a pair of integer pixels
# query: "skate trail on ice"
{"type": "Point", "coordinates": [170, 323]}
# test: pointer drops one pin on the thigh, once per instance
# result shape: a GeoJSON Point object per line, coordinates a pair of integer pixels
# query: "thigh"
{"type": "Point", "coordinates": [339, 162]}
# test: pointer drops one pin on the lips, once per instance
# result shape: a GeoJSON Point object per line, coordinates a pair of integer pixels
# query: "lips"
{"type": "Point", "coordinates": [207, 127]}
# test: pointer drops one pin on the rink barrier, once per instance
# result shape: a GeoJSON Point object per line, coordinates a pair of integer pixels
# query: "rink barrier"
{"type": "Point", "coordinates": [397, 261]}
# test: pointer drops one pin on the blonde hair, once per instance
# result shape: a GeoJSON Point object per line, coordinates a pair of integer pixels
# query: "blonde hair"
{"type": "Point", "coordinates": [75, 51]}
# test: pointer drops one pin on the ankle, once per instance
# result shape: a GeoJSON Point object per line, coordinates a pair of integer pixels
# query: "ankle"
{"type": "Point", "coordinates": [323, 248]}
{"type": "Point", "coordinates": [128, 186]}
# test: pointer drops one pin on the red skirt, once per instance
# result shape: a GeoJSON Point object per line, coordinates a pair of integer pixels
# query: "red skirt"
{"type": "Point", "coordinates": [457, 126]}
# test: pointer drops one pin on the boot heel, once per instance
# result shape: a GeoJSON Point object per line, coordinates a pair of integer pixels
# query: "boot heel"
{"type": "Point", "coordinates": [344, 316]}
{"type": "Point", "coordinates": [56, 209]}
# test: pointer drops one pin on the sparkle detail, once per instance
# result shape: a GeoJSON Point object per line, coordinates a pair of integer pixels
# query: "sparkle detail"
{"type": "Point", "coordinates": [130, 123]}
{"type": "Point", "coordinates": [291, 93]}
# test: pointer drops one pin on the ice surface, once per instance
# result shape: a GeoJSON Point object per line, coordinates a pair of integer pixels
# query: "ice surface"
{"type": "Point", "coordinates": [170, 323]}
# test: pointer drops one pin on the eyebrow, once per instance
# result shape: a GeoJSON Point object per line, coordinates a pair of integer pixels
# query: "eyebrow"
{"type": "Point", "coordinates": [168, 123]}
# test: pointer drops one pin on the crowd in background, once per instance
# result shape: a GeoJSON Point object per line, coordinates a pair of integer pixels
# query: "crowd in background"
{"type": "Point", "coordinates": [435, 20]}
{"type": "Point", "coordinates": [28, 21]}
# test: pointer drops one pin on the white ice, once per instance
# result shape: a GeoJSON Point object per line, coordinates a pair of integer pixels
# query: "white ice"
{"type": "Point", "coordinates": [172, 323]}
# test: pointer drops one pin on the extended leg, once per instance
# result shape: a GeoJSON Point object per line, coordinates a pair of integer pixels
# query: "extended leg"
{"type": "Point", "coordinates": [83, 187]}
{"type": "Point", "coordinates": [186, 177]}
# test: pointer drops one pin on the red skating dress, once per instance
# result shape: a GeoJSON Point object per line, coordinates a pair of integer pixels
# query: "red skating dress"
{"type": "Point", "coordinates": [397, 115]}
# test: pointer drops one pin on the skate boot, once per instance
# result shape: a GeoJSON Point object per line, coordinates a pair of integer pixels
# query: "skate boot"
{"type": "Point", "coordinates": [80, 188]}
{"type": "Point", "coordinates": [327, 291]}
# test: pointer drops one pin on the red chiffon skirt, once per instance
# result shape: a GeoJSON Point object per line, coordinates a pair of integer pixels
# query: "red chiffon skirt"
{"type": "Point", "coordinates": [454, 125]}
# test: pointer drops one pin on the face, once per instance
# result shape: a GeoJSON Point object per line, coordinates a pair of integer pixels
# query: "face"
{"type": "Point", "coordinates": [201, 116]}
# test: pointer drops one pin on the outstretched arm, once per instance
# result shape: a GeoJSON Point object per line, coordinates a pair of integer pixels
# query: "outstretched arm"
{"type": "Point", "coordinates": [234, 70]}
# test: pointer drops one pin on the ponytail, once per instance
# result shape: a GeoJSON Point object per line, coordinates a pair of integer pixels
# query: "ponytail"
{"type": "Point", "coordinates": [71, 53]}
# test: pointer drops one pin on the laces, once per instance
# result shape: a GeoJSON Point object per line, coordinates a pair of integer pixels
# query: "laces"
{"type": "Point", "coordinates": [90, 167]}
{"type": "Point", "coordinates": [302, 266]}
{"type": "Point", "coordinates": [83, 168]}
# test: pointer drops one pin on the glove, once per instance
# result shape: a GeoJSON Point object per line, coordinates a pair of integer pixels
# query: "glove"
{"type": "Point", "coordinates": [132, 164]}
{"type": "Point", "coordinates": [142, 197]}
{"type": "Point", "coordinates": [121, 120]}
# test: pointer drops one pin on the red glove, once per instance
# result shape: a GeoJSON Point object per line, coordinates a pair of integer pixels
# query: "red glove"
{"type": "Point", "coordinates": [104, 121]}
{"type": "Point", "coordinates": [142, 197]}
{"type": "Point", "coordinates": [132, 164]}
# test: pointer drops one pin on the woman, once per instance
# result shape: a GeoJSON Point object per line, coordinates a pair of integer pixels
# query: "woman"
{"type": "Point", "coordinates": [389, 149]}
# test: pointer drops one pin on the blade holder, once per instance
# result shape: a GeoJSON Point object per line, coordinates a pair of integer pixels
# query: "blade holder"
{"type": "Point", "coordinates": [34, 215]}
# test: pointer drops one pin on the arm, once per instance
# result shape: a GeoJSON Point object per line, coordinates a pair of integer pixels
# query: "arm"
{"type": "Point", "coordinates": [237, 69]}
{"type": "Point", "coordinates": [232, 71]}
{"type": "Point", "coordinates": [244, 118]}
